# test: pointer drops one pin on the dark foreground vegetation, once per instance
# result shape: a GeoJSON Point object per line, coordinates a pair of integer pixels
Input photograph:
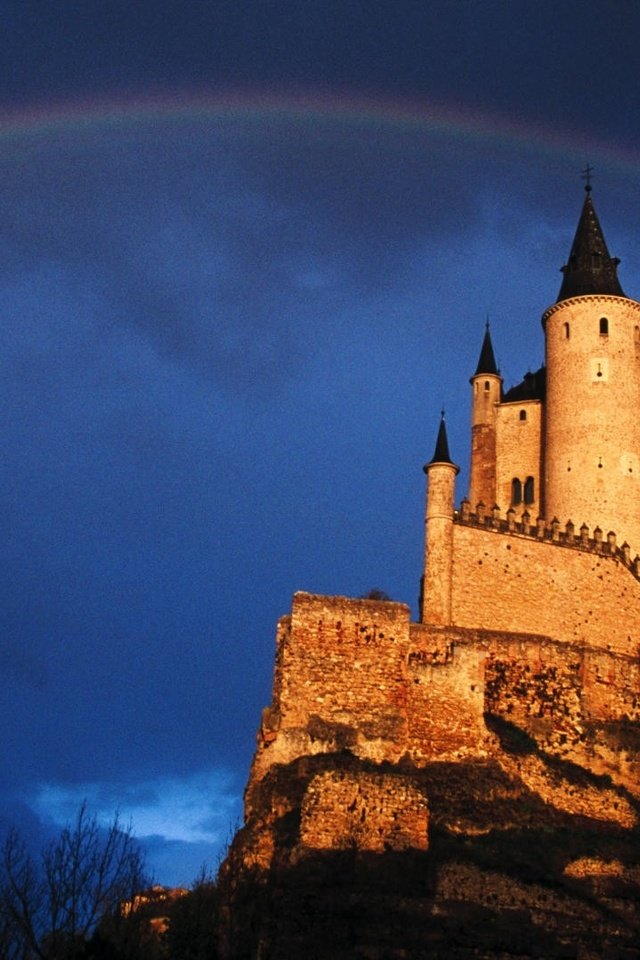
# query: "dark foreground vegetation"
{"type": "Point", "coordinates": [86, 896]}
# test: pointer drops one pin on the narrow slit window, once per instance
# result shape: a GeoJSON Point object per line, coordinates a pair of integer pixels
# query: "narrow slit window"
{"type": "Point", "coordinates": [487, 385]}
{"type": "Point", "coordinates": [516, 492]}
{"type": "Point", "coordinates": [566, 331]}
{"type": "Point", "coordinates": [523, 414]}
{"type": "Point", "coordinates": [604, 327]}
{"type": "Point", "coordinates": [529, 490]}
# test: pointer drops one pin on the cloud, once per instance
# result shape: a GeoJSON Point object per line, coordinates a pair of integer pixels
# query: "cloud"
{"type": "Point", "coordinates": [180, 822]}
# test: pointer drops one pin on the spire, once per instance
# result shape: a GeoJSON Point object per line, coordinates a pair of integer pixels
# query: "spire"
{"type": "Point", "coordinates": [441, 452]}
{"type": "Point", "coordinates": [589, 269]}
{"type": "Point", "coordinates": [487, 361]}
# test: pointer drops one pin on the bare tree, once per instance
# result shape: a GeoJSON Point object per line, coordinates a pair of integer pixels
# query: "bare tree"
{"type": "Point", "coordinates": [49, 906]}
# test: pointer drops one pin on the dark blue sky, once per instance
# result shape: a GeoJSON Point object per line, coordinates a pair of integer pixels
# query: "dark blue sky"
{"type": "Point", "coordinates": [227, 332]}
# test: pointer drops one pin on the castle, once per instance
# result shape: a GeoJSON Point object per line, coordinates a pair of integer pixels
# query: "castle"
{"type": "Point", "coordinates": [511, 710]}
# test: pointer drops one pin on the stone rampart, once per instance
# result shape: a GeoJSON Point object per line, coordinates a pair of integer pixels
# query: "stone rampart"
{"type": "Point", "coordinates": [365, 811]}
{"type": "Point", "coordinates": [539, 579]}
{"type": "Point", "coordinates": [357, 675]}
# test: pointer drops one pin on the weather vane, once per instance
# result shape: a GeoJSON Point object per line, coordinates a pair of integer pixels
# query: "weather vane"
{"type": "Point", "coordinates": [586, 175]}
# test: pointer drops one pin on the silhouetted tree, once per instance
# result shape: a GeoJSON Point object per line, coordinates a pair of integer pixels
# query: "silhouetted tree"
{"type": "Point", "coordinates": [375, 594]}
{"type": "Point", "coordinates": [50, 905]}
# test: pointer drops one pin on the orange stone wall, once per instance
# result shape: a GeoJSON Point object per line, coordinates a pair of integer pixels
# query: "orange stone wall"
{"type": "Point", "coordinates": [523, 585]}
{"type": "Point", "coordinates": [357, 675]}
{"type": "Point", "coordinates": [367, 811]}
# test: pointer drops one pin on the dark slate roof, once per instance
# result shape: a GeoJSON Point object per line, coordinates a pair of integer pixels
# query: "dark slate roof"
{"type": "Point", "coordinates": [487, 361]}
{"type": "Point", "coordinates": [533, 387]}
{"type": "Point", "coordinates": [441, 452]}
{"type": "Point", "coordinates": [589, 269]}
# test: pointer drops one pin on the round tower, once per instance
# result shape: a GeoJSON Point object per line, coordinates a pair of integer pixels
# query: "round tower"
{"type": "Point", "coordinates": [436, 584]}
{"type": "Point", "coordinates": [592, 409]}
{"type": "Point", "coordinates": [486, 384]}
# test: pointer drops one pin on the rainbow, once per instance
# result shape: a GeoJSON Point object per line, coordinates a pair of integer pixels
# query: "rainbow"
{"type": "Point", "coordinates": [73, 117]}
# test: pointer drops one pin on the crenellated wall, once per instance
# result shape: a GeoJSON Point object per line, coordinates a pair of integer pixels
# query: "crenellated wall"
{"type": "Point", "coordinates": [576, 590]}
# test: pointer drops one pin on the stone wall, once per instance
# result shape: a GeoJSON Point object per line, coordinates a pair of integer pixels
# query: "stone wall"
{"type": "Point", "coordinates": [518, 584]}
{"type": "Point", "coordinates": [364, 811]}
{"type": "Point", "coordinates": [357, 675]}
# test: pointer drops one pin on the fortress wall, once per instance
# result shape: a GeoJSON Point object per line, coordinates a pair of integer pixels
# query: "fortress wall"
{"type": "Point", "coordinates": [517, 584]}
{"type": "Point", "coordinates": [445, 697]}
{"type": "Point", "coordinates": [356, 675]}
{"type": "Point", "coordinates": [611, 687]}
{"type": "Point", "coordinates": [342, 673]}
{"type": "Point", "coordinates": [539, 693]}
{"type": "Point", "coordinates": [368, 811]}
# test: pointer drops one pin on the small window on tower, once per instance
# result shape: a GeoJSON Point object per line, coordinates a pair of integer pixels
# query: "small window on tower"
{"type": "Point", "coordinates": [516, 492]}
{"type": "Point", "coordinates": [529, 491]}
{"type": "Point", "coordinates": [523, 414]}
{"type": "Point", "coordinates": [487, 385]}
{"type": "Point", "coordinates": [604, 327]}
{"type": "Point", "coordinates": [565, 330]}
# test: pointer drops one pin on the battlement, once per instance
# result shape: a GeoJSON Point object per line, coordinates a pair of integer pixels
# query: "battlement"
{"type": "Point", "coordinates": [549, 532]}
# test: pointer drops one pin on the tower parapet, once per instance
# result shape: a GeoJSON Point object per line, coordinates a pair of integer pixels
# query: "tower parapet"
{"type": "Point", "coordinates": [552, 532]}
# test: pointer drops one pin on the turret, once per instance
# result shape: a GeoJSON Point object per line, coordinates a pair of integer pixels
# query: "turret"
{"type": "Point", "coordinates": [486, 384]}
{"type": "Point", "coordinates": [592, 427]}
{"type": "Point", "coordinates": [441, 478]}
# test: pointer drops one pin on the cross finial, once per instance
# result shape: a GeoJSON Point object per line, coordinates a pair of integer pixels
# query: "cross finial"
{"type": "Point", "coordinates": [586, 175]}
{"type": "Point", "coordinates": [442, 414]}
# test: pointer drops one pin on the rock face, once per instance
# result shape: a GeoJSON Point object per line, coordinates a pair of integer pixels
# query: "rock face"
{"type": "Point", "coordinates": [425, 791]}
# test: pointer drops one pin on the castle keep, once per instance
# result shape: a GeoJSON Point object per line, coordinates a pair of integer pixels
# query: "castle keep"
{"type": "Point", "coordinates": [501, 729]}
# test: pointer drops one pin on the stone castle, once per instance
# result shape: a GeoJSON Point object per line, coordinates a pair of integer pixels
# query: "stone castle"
{"type": "Point", "coordinates": [491, 751]}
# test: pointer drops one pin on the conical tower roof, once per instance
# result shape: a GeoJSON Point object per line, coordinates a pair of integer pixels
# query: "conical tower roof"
{"type": "Point", "coordinates": [441, 453]}
{"type": "Point", "coordinates": [589, 269]}
{"type": "Point", "coordinates": [487, 361]}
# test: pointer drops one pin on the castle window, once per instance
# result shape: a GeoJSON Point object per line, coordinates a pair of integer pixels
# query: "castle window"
{"type": "Point", "coordinates": [604, 327]}
{"type": "Point", "coordinates": [516, 492]}
{"type": "Point", "coordinates": [487, 385]}
{"type": "Point", "coordinates": [523, 414]}
{"type": "Point", "coordinates": [565, 330]}
{"type": "Point", "coordinates": [529, 490]}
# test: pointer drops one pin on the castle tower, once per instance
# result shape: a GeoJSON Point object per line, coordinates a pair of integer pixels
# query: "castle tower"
{"type": "Point", "coordinates": [441, 479]}
{"type": "Point", "coordinates": [486, 384]}
{"type": "Point", "coordinates": [592, 409]}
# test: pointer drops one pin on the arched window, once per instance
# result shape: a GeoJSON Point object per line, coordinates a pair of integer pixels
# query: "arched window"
{"type": "Point", "coordinates": [523, 414]}
{"type": "Point", "coordinates": [516, 492]}
{"type": "Point", "coordinates": [565, 330]}
{"type": "Point", "coordinates": [604, 327]}
{"type": "Point", "coordinates": [529, 490]}
{"type": "Point", "coordinates": [487, 385]}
